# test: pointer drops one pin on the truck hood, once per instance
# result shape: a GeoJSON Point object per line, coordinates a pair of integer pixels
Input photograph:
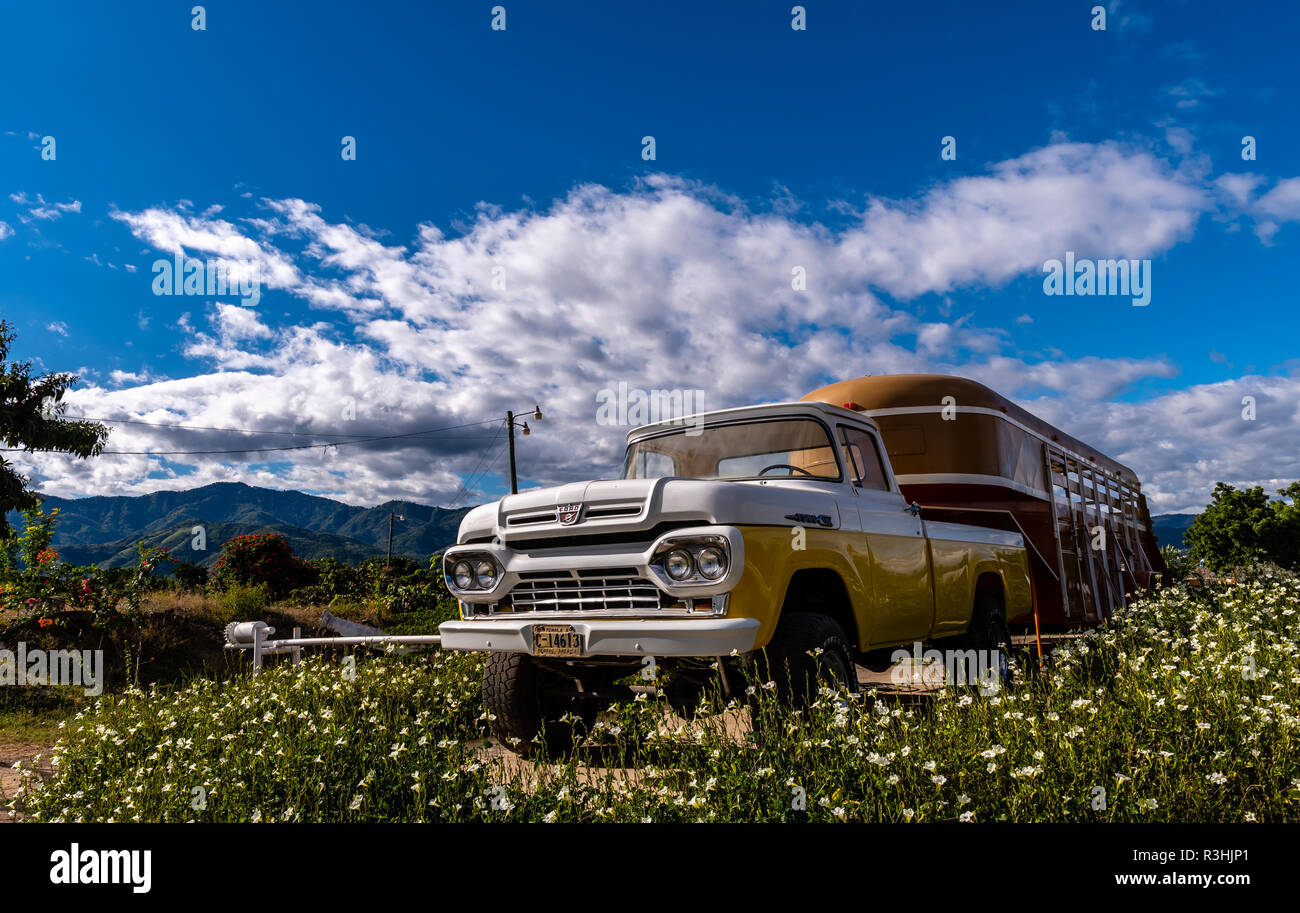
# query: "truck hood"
{"type": "Point", "coordinates": [622, 506]}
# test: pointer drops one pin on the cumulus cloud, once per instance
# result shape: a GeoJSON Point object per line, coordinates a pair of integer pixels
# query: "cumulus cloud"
{"type": "Point", "coordinates": [1270, 209]}
{"type": "Point", "coordinates": [667, 284]}
{"type": "Point", "coordinates": [1242, 431]}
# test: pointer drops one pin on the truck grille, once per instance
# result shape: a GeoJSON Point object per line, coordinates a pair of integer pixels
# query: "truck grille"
{"type": "Point", "coordinates": [610, 589]}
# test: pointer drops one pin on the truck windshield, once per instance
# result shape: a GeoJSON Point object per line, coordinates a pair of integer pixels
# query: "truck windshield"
{"type": "Point", "coordinates": [773, 448]}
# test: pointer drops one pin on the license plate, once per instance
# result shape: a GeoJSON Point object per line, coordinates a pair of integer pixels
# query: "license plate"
{"type": "Point", "coordinates": [556, 640]}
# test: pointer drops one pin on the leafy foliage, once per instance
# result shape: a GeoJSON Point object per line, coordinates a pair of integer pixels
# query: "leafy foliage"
{"type": "Point", "coordinates": [262, 559]}
{"type": "Point", "coordinates": [34, 582]}
{"type": "Point", "coordinates": [30, 408]}
{"type": "Point", "coordinates": [1240, 527]}
{"type": "Point", "coordinates": [190, 577]}
{"type": "Point", "coordinates": [1182, 708]}
{"type": "Point", "coordinates": [1178, 563]}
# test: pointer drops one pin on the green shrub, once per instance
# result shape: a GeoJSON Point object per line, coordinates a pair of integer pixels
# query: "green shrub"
{"type": "Point", "coordinates": [190, 577]}
{"type": "Point", "coordinates": [35, 582]}
{"type": "Point", "coordinates": [1178, 564]}
{"type": "Point", "coordinates": [261, 559]}
{"type": "Point", "coordinates": [242, 603]}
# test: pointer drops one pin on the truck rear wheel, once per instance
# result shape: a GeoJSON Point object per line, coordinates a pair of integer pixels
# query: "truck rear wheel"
{"type": "Point", "coordinates": [807, 650]}
{"type": "Point", "coordinates": [525, 699]}
{"type": "Point", "coordinates": [989, 634]}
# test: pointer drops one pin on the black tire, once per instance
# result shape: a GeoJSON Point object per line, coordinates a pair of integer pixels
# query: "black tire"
{"type": "Point", "coordinates": [684, 696]}
{"type": "Point", "coordinates": [989, 634]}
{"type": "Point", "coordinates": [808, 649]}
{"type": "Point", "coordinates": [526, 699]}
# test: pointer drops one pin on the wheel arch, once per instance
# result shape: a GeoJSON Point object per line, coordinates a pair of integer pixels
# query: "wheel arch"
{"type": "Point", "coordinates": [823, 590]}
{"type": "Point", "coordinates": [988, 584]}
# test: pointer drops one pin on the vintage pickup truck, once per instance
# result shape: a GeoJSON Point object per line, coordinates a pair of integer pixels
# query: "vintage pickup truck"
{"type": "Point", "coordinates": [773, 534]}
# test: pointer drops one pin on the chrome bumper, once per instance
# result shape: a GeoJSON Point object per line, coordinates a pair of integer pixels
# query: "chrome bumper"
{"type": "Point", "coordinates": [609, 637]}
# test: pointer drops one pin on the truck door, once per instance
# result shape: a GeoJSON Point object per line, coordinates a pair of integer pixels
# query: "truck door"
{"type": "Point", "coordinates": [900, 564]}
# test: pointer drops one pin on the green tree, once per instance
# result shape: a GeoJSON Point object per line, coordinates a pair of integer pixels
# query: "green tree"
{"type": "Point", "coordinates": [1240, 527]}
{"type": "Point", "coordinates": [190, 576]}
{"type": "Point", "coordinates": [30, 410]}
{"type": "Point", "coordinates": [262, 559]}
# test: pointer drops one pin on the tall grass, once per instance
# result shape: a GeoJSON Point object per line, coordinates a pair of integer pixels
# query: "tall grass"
{"type": "Point", "coordinates": [1183, 708]}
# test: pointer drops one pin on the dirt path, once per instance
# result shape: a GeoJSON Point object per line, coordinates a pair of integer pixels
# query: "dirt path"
{"type": "Point", "coordinates": [10, 754]}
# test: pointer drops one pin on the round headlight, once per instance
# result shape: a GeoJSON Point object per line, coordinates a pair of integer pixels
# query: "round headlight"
{"type": "Point", "coordinates": [463, 575]}
{"type": "Point", "coordinates": [486, 572]}
{"type": "Point", "coordinates": [678, 564]}
{"type": "Point", "coordinates": [711, 562]}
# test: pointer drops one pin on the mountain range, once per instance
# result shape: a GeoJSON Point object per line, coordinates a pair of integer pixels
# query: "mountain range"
{"type": "Point", "coordinates": [104, 530]}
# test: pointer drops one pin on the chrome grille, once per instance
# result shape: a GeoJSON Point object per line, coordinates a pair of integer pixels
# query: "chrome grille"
{"type": "Point", "coordinates": [613, 589]}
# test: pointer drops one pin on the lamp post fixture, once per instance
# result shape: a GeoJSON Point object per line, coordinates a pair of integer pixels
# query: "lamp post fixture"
{"type": "Point", "coordinates": [510, 425]}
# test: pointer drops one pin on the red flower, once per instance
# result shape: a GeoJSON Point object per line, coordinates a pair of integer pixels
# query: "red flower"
{"type": "Point", "coordinates": [43, 622]}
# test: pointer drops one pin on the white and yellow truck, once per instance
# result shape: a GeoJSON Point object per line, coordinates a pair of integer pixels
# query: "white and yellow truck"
{"type": "Point", "coordinates": [774, 532]}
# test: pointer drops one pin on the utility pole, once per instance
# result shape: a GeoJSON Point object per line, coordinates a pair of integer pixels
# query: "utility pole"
{"type": "Point", "coordinates": [392, 515]}
{"type": "Point", "coordinates": [514, 476]}
{"type": "Point", "coordinates": [525, 430]}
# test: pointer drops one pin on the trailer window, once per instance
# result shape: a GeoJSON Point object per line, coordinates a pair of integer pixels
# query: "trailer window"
{"type": "Point", "coordinates": [865, 466]}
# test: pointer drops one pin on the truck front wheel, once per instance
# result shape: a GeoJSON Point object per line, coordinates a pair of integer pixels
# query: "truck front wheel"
{"type": "Point", "coordinates": [808, 649]}
{"type": "Point", "coordinates": [526, 699]}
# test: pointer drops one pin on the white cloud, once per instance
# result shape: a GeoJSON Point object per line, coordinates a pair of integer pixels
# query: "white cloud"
{"type": "Point", "coordinates": [39, 209]}
{"type": "Point", "coordinates": [1190, 93]}
{"type": "Point", "coordinates": [669, 284]}
{"type": "Point", "coordinates": [57, 326]}
{"type": "Point", "coordinates": [6, 231]}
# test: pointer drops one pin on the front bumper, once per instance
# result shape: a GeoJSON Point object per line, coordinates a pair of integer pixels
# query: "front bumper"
{"type": "Point", "coordinates": [609, 637]}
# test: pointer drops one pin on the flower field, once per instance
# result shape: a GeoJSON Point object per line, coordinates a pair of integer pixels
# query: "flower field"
{"type": "Point", "coordinates": [1185, 708]}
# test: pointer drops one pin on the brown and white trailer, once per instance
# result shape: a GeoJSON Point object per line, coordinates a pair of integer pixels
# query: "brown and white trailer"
{"type": "Point", "coordinates": [970, 455]}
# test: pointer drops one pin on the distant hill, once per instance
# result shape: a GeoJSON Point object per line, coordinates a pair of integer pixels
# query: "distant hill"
{"type": "Point", "coordinates": [104, 530]}
{"type": "Point", "coordinates": [1169, 528]}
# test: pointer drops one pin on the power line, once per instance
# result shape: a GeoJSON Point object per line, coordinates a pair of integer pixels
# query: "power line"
{"type": "Point", "coordinates": [364, 440]}
{"type": "Point", "coordinates": [467, 481]}
{"type": "Point", "coordinates": [126, 421]}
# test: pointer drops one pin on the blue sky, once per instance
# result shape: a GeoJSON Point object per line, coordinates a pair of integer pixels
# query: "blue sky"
{"type": "Point", "coordinates": [773, 147]}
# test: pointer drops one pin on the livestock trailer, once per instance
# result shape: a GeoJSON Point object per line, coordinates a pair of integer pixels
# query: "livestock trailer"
{"type": "Point", "coordinates": [967, 454]}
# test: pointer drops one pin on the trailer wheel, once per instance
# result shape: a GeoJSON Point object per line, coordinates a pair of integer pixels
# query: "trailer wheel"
{"type": "Point", "coordinates": [988, 633]}
{"type": "Point", "coordinates": [807, 649]}
{"type": "Point", "coordinates": [526, 699]}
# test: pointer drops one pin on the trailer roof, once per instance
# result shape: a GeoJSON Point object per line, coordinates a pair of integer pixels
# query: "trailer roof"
{"type": "Point", "coordinates": [911, 392]}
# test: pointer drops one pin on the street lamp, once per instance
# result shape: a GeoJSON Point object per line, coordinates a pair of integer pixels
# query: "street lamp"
{"type": "Point", "coordinates": [510, 425]}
